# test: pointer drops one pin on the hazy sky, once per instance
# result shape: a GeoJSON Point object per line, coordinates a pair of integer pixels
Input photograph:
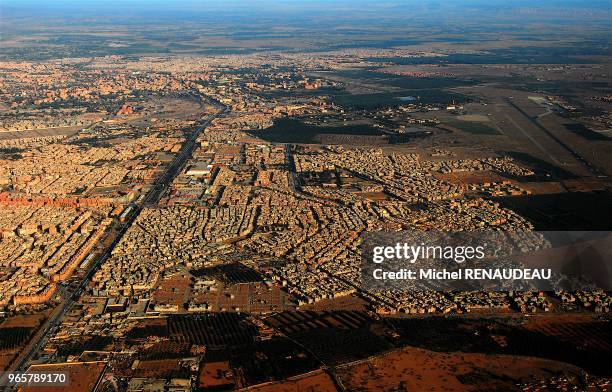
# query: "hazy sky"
{"type": "Point", "coordinates": [301, 4]}
{"type": "Point", "coordinates": [291, 9]}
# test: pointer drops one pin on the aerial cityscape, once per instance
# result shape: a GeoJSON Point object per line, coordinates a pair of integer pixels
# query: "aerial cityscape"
{"type": "Point", "coordinates": [185, 189]}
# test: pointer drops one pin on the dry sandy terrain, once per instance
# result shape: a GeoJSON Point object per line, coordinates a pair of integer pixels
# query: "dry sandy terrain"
{"type": "Point", "coordinates": [415, 369]}
{"type": "Point", "coordinates": [317, 381]}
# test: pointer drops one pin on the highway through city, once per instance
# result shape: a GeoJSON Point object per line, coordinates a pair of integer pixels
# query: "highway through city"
{"type": "Point", "coordinates": [151, 198]}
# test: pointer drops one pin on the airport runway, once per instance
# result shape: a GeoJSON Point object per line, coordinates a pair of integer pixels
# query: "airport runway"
{"type": "Point", "coordinates": [535, 121]}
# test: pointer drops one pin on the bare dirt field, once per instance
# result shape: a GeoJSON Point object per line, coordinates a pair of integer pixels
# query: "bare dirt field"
{"type": "Point", "coordinates": [316, 381]}
{"type": "Point", "coordinates": [415, 369]}
{"type": "Point", "coordinates": [473, 177]}
{"type": "Point", "coordinates": [82, 376]}
{"type": "Point", "coordinates": [543, 188]}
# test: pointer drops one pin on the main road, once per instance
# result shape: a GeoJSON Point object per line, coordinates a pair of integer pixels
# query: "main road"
{"type": "Point", "coordinates": [152, 197]}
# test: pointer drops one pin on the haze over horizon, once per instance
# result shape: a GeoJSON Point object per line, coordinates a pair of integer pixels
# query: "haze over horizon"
{"type": "Point", "coordinates": [389, 8]}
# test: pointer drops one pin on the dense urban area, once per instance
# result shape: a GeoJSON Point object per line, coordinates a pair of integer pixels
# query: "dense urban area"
{"type": "Point", "coordinates": [194, 222]}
